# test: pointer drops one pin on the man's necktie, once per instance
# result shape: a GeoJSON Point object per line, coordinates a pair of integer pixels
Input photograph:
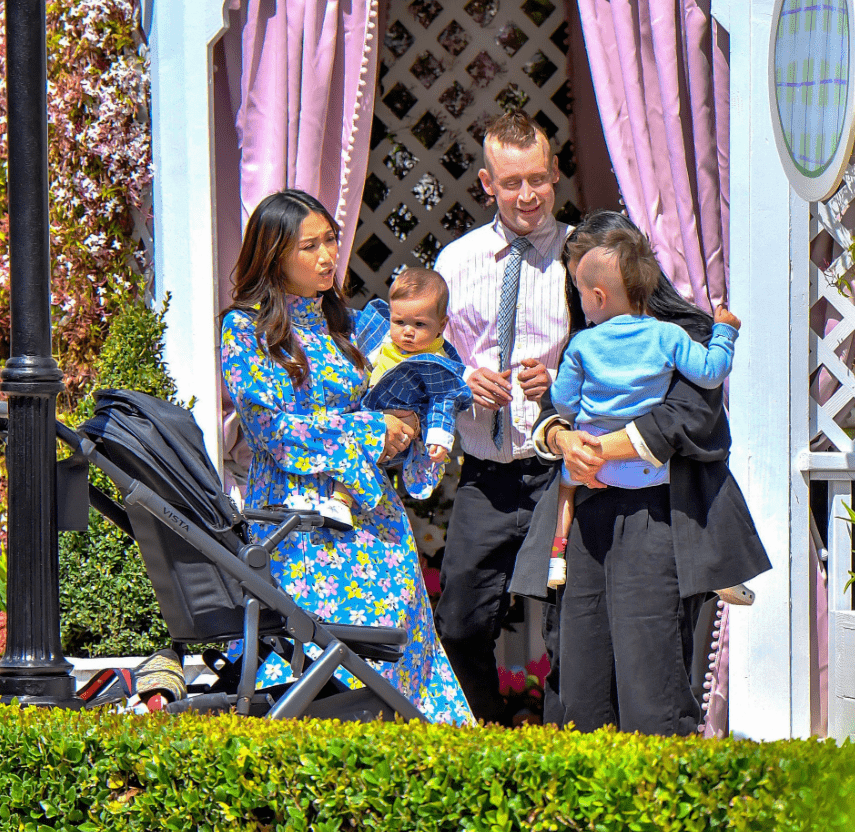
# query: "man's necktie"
{"type": "Point", "coordinates": [507, 322]}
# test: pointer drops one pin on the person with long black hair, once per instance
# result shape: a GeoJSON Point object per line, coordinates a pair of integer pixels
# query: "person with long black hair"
{"type": "Point", "coordinates": [637, 577]}
{"type": "Point", "coordinates": [296, 379]}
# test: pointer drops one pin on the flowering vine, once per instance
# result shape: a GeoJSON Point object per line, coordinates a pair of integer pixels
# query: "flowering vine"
{"type": "Point", "coordinates": [99, 155]}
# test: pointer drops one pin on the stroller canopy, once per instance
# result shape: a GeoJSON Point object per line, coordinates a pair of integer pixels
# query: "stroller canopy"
{"type": "Point", "coordinates": [161, 445]}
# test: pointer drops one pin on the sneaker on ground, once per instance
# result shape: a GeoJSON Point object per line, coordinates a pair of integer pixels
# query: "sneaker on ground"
{"type": "Point", "coordinates": [337, 513]}
{"type": "Point", "coordinates": [739, 595]}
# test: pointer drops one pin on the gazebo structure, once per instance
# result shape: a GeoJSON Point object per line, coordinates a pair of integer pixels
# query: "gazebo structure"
{"type": "Point", "coordinates": [376, 108]}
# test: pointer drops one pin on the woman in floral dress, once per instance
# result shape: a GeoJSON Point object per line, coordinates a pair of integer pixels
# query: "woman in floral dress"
{"type": "Point", "coordinates": [296, 380]}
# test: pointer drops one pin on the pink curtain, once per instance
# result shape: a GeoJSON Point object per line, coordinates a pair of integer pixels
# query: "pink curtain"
{"type": "Point", "coordinates": [307, 95]}
{"type": "Point", "coordinates": [661, 76]}
{"type": "Point", "coordinates": [301, 81]}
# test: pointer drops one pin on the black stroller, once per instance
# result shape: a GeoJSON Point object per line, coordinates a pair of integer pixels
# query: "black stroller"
{"type": "Point", "coordinates": [211, 582]}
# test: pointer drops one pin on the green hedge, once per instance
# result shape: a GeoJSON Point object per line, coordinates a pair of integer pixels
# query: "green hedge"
{"type": "Point", "coordinates": [93, 771]}
{"type": "Point", "coordinates": [107, 603]}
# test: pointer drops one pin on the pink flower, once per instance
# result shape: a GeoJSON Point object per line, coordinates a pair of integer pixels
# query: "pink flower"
{"type": "Point", "coordinates": [539, 669]}
{"type": "Point", "coordinates": [511, 680]}
{"type": "Point", "coordinates": [363, 537]}
{"type": "Point", "coordinates": [300, 589]}
{"type": "Point", "coordinates": [300, 430]}
{"type": "Point", "coordinates": [330, 446]}
{"type": "Point", "coordinates": [325, 609]}
{"type": "Point", "coordinates": [393, 558]}
{"type": "Point", "coordinates": [322, 557]}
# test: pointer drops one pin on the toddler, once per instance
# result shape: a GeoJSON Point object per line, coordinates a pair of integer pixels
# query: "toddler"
{"type": "Point", "coordinates": [621, 368]}
{"type": "Point", "coordinates": [414, 367]}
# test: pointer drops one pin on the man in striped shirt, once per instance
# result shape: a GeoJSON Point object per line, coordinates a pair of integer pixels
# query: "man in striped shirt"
{"type": "Point", "coordinates": [501, 478]}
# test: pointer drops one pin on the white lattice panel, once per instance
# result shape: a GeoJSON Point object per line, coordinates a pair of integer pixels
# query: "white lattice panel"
{"type": "Point", "coordinates": [446, 68]}
{"type": "Point", "coordinates": [832, 319]}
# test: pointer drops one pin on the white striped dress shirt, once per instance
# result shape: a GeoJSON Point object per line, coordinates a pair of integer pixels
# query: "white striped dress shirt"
{"type": "Point", "coordinates": [473, 267]}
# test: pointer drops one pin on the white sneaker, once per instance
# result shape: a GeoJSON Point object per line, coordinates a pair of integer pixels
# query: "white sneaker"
{"type": "Point", "coordinates": [557, 573]}
{"type": "Point", "coordinates": [337, 514]}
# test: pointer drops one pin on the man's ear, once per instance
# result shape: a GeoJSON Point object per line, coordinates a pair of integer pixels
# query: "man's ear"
{"type": "Point", "coordinates": [486, 181]}
{"type": "Point", "coordinates": [554, 169]}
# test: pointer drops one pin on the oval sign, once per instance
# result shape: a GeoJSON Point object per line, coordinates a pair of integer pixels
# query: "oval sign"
{"type": "Point", "coordinates": [812, 93]}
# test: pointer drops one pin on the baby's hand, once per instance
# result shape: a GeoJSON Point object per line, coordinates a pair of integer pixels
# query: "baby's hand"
{"type": "Point", "coordinates": [437, 453]}
{"type": "Point", "coordinates": [723, 316]}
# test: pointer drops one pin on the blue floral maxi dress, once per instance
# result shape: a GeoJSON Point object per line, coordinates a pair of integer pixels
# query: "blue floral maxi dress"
{"type": "Point", "coordinates": [302, 439]}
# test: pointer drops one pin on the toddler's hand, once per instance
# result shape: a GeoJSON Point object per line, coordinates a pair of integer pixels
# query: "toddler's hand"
{"type": "Point", "coordinates": [437, 453]}
{"type": "Point", "coordinates": [724, 316]}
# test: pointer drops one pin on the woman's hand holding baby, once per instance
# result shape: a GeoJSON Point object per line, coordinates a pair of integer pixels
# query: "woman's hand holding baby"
{"type": "Point", "coordinates": [401, 427]}
{"type": "Point", "coordinates": [725, 316]}
{"type": "Point", "coordinates": [581, 452]}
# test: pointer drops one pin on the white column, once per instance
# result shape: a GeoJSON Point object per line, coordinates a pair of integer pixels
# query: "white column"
{"type": "Point", "coordinates": [181, 39]}
{"type": "Point", "coordinates": [769, 642]}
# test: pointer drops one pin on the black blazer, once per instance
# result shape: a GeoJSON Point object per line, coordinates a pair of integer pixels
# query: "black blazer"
{"type": "Point", "coordinates": [715, 542]}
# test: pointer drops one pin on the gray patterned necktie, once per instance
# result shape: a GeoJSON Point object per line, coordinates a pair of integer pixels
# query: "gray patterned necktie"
{"type": "Point", "coordinates": [507, 321]}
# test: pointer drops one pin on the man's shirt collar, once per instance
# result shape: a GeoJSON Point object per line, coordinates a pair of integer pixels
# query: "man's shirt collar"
{"type": "Point", "coordinates": [541, 239]}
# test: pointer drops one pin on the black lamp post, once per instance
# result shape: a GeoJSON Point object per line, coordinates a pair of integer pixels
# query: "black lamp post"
{"type": "Point", "coordinates": [33, 669]}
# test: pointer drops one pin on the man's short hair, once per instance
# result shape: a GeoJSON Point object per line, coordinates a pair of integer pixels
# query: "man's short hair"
{"type": "Point", "coordinates": [416, 282]}
{"type": "Point", "coordinates": [515, 128]}
{"type": "Point", "coordinates": [636, 262]}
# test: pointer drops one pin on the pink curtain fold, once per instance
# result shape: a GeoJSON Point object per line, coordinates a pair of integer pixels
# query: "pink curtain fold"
{"type": "Point", "coordinates": [307, 85]}
{"type": "Point", "coordinates": [661, 76]}
{"type": "Point", "coordinates": [301, 78]}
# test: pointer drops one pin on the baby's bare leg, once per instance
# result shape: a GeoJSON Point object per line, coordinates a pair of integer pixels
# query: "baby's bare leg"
{"type": "Point", "coordinates": [557, 563]}
{"type": "Point", "coordinates": [566, 495]}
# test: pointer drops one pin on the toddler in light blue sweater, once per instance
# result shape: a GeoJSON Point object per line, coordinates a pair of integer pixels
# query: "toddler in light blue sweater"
{"type": "Point", "coordinates": [621, 368]}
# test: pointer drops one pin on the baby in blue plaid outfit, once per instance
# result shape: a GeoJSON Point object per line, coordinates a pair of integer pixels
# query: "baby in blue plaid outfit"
{"type": "Point", "coordinates": [433, 386]}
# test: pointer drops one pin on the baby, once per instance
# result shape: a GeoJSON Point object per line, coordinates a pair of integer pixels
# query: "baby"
{"type": "Point", "coordinates": [418, 300]}
{"type": "Point", "coordinates": [621, 368]}
{"type": "Point", "coordinates": [414, 367]}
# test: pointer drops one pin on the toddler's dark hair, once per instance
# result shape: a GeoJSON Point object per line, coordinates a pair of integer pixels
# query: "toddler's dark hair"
{"type": "Point", "coordinates": [635, 259]}
{"type": "Point", "coordinates": [413, 282]}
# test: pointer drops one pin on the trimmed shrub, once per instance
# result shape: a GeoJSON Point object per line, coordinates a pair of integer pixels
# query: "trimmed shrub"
{"type": "Point", "coordinates": [107, 604]}
{"type": "Point", "coordinates": [92, 771]}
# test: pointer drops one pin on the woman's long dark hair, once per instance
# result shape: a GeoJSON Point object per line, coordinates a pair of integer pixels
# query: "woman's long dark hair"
{"type": "Point", "coordinates": [259, 281]}
{"type": "Point", "coordinates": [666, 303]}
